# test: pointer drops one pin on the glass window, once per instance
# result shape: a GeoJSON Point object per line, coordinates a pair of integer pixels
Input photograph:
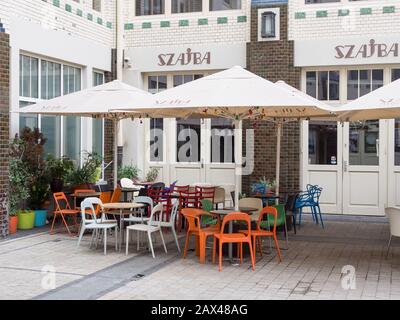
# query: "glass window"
{"type": "Point", "coordinates": [27, 120]}
{"type": "Point", "coordinates": [361, 82]}
{"type": "Point", "coordinates": [395, 74]}
{"type": "Point", "coordinates": [323, 85]}
{"type": "Point", "coordinates": [216, 5]}
{"type": "Point", "coordinates": [322, 142]}
{"type": "Point", "coordinates": [364, 143]}
{"type": "Point", "coordinates": [98, 78]}
{"type": "Point", "coordinates": [28, 77]}
{"type": "Point", "coordinates": [321, 1]}
{"type": "Point", "coordinates": [188, 140]}
{"type": "Point", "coordinates": [72, 138]}
{"type": "Point", "coordinates": [51, 129]}
{"type": "Point", "coordinates": [222, 141]}
{"type": "Point", "coordinates": [181, 79]}
{"type": "Point", "coordinates": [96, 5]}
{"type": "Point", "coordinates": [149, 7]}
{"type": "Point", "coordinates": [156, 83]}
{"type": "Point", "coordinates": [97, 136]}
{"type": "Point", "coordinates": [71, 79]}
{"type": "Point", "coordinates": [156, 139]}
{"type": "Point", "coordinates": [397, 142]}
{"type": "Point", "coordinates": [50, 80]}
{"type": "Point", "coordinates": [268, 24]}
{"type": "Point", "coordinates": [181, 6]}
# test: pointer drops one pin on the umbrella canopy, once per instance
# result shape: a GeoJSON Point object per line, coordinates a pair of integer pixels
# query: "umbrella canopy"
{"type": "Point", "coordinates": [382, 103]}
{"type": "Point", "coordinates": [96, 102]}
{"type": "Point", "coordinates": [237, 94]}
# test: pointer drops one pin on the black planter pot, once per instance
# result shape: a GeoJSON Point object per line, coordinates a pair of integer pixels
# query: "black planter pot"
{"type": "Point", "coordinates": [56, 185]}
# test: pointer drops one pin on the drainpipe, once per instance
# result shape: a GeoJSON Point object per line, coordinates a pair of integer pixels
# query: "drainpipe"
{"type": "Point", "coordinates": [120, 56]}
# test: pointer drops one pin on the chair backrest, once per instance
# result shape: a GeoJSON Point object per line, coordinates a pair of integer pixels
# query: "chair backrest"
{"type": "Point", "coordinates": [58, 197]}
{"type": "Point", "coordinates": [116, 195]}
{"type": "Point", "coordinates": [87, 207]}
{"type": "Point", "coordinates": [190, 199]}
{"type": "Point", "coordinates": [192, 216]}
{"type": "Point", "coordinates": [127, 183]}
{"type": "Point", "coordinates": [157, 210]}
{"type": "Point", "coordinates": [105, 197]}
{"type": "Point", "coordinates": [145, 200]}
{"type": "Point", "coordinates": [264, 215]}
{"type": "Point", "coordinates": [206, 192]}
{"type": "Point", "coordinates": [252, 203]}
{"type": "Point", "coordinates": [233, 197]}
{"type": "Point", "coordinates": [206, 205]}
{"type": "Point", "coordinates": [219, 195]}
{"type": "Point", "coordinates": [174, 211]}
{"type": "Point", "coordinates": [237, 216]}
{"type": "Point", "coordinates": [291, 202]}
{"type": "Point", "coordinates": [84, 191]}
{"type": "Point", "coordinates": [158, 186]}
{"type": "Point", "coordinates": [180, 189]}
{"type": "Point", "coordinates": [393, 215]}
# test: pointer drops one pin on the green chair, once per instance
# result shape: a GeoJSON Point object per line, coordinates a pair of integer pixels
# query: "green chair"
{"type": "Point", "coordinates": [281, 221]}
{"type": "Point", "coordinates": [207, 205]}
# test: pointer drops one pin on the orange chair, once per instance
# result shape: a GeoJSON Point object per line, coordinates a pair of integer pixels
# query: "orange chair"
{"type": "Point", "coordinates": [239, 238]}
{"type": "Point", "coordinates": [259, 232]}
{"type": "Point", "coordinates": [105, 197]}
{"type": "Point", "coordinates": [192, 216]}
{"type": "Point", "coordinates": [116, 196]}
{"type": "Point", "coordinates": [67, 211]}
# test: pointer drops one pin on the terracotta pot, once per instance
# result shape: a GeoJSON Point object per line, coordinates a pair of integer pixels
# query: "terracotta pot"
{"type": "Point", "coordinates": [12, 224]}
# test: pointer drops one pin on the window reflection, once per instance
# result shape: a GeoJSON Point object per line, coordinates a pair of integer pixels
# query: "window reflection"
{"type": "Point", "coordinates": [364, 143]}
{"type": "Point", "coordinates": [322, 142]}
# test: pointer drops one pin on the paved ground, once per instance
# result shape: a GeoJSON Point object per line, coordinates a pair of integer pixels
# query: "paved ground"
{"type": "Point", "coordinates": [311, 268]}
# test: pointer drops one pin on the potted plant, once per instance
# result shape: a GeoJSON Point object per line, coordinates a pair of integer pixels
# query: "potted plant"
{"type": "Point", "coordinates": [58, 170]}
{"type": "Point", "coordinates": [18, 193]}
{"type": "Point", "coordinates": [152, 174]}
{"type": "Point", "coordinates": [87, 175]}
{"type": "Point", "coordinates": [130, 172]}
{"type": "Point", "coordinates": [263, 186]}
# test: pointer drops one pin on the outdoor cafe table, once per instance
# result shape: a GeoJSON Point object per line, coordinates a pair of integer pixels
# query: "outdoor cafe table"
{"type": "Point", "coordinates": [122, 208]}
{"type": "Point", "coordinates": [83, 195]}
{"type": "Point", "coordinates": [224, 212]}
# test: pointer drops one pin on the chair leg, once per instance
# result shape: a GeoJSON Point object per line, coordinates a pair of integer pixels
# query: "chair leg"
{"type": "Point", "coordinates": [214, 250]}
{"type": "Point", "coordinates": [137, 240]}
{"type": "Point", "coordinates": [82, 231]}
{"type": "Point", "coordinates": [259, 245]}
{"type": "Point", "coordinates": [241, 252]}
{"type": "Point", "coordinates": [286, 235]}
{"type": "Point", "coordinates": [52, 225]}
{"type": "Point", "coordinates": [277, 248]}
{"type": "Point", "coordinates": [300, 212]}
{"type": "Point", "coordinates": [176, 238]}
{"type": "Point", "coordinates": [66, 225]}
{"type": "Point", "coordinates": [105, 241]}
{"type": "Point", "coordinates": [220, 256]}
{"type": "Point", "coordinates": [186, 244]}
{"type": "Point", "coordinates": [151, 244]}
{"type": "Point", "coordinates": [163, 242]}
{"type": "Point", "coordinates": [127, 242]}
{"type": "Point", "coordinates": [252, 253]}
{"type": "Point", "coordinates": [116, 239]}
{"type": "Point", "coordinates": [388, 247]}
{"type": "Point", "coordinates": [320, 216]}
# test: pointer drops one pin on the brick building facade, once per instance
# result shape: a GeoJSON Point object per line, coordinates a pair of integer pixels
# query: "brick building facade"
{"type": "Point", "coordinates": [4, 129]}
{"type": "Point", "coordinates": [273, 60]}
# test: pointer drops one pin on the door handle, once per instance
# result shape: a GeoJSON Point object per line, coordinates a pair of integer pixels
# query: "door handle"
{"type": "Point", "coordinates": [377, 147]}
{"type": "Point", "coordinates": [345, 166]}
{"type": "Point", "coordinates": [202, 163]}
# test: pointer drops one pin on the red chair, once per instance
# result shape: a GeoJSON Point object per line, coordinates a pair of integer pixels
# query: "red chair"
{"type": "Point", "coordinates": [64, 212]}
{"type": "Point", "coordinates": [164, 197]}
{"type": "Point", "coordinates": [206, 193]}
{"type": "Point", "coordinates": [238, 238]}
{"type": "Point", "coordinates": [259, 232]}
{"type": "Point", "coordinates": [180, 190]}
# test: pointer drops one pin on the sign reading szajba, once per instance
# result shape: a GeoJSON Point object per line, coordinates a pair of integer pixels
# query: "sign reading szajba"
{"type": "Point", "coordinates": [347, 51]}
{"type": "Point", "coordinates": [193, 57]}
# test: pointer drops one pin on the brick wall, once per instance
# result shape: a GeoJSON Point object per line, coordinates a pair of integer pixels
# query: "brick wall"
{"type": "Point", "coordinates": [4, 130]}
{"type": "Point", "coordinates": [274, 61]}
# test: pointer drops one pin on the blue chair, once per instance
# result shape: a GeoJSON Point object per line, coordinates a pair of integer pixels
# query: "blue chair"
{"type": "Point", "coordinates": [309, 199]}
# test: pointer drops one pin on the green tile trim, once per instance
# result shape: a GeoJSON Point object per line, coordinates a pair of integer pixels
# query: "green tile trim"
{"type": "Point", "coordinates": [343, 12]}
{"type": "Point", "coordinates": [165, 24]}
{"type": "Point", "coordinates": [79, 12]}
{"type": "Point", "coordinates": [68, 7]}
{"type": "Point", "coordinates": [390, 9]}
{"type": "Point", "coordinates": [241, 19]}
{"type": "Point", "coordinates": [222, 20]}
{"type": "Point", "coordinates": [128, 26]}
{"type": "Point", "coordinates": [300, 15]}
{"type": "Point", "coordinates": [109, 25]}
{"type": "Point", "coordinates": [183, 23]}
{"type": "Point", "coordinates": [365, 11]}
{"type": "Point", "coordinates": [90, 16]}
{"type": "Point", "coordinates": [202, 22]}
{"type": "Point", "coordinates": [100, 21]}
{"type": "Point", "coordinates": [146, 25]}
{"type": "Point", "coordinates": [56, 3]}
{"type": "Point", "coordinates": [321, 14]}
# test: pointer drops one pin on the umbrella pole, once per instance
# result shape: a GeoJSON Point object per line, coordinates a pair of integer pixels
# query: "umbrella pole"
{"type": "Point", "coordinates": [238, 171]}
{"type": "Point", "coordinates": [278, 160]}
{"type": "Point", "coordinates": [115, 166]}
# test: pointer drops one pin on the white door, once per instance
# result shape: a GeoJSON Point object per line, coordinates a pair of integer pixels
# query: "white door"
{"type": "Point", "coordinates": [364, 167]}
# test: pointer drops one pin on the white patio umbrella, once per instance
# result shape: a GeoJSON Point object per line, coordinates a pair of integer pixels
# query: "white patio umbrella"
{"type": "Point", "coordinates": [236, 94]}
{"type": "Point", "coordinates": [96, 102]}
{"type": "Point", "coordinates": [382, 103]}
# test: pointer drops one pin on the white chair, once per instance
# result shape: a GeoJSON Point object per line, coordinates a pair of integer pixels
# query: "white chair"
{"type": "Point", "coordinates": [95, 223]}
{"type": "Point", "coordinates": [171, 223]}
{"type": "Point", "coordinates": [252, 203]}
{"type": "Point", "coordinates": [137, 215]}
{"type": "Point", "coordinates": [149, 228]}
{"type": "Point", "coordinates": [393, 215]}
{"type": "Point", "coordinates": [127, 183]}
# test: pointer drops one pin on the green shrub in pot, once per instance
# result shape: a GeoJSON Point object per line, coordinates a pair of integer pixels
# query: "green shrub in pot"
{"type": "Point", "coordinates": [58, 170]}
{"type": "Point", "coordinates": [88, 173]}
